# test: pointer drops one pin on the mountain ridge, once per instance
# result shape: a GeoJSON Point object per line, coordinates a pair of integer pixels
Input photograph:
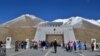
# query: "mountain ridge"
{"type": "Point", "coordinates": [77, 19]}
{"type": "Point", "coordinates": [23, 20]}
{"type": "Point", "coordinates": [31, 20]}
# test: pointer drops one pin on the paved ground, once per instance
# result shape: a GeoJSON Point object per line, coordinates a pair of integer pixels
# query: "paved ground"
{"type": "Point", "coordinates": [50, 52]}
{"type": "Point", "coordinates": [27, 52]}
{"type": "Point", "coordinates": [63, 52]}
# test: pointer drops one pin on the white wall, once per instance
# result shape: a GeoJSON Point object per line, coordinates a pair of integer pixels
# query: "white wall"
{"type": "Point", "coordinates": [66, 30]}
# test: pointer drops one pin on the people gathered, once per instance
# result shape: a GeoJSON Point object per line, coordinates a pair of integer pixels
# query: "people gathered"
{"type": "Point", "coordinates": [75, 45]}
{"type": "Point", "coordinates": [33, 44]}
{"type": "Point", "coordinates": [45, 44]}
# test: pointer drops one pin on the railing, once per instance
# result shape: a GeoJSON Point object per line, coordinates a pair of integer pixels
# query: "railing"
{"type": "Point", "coordinates": [2, 51]}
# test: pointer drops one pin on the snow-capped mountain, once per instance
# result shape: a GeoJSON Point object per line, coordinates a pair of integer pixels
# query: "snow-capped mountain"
{"type": "Point", "coordinates": [98, 21]}
{"type": "Point", "coordinates": [28, 20]}
{"type": "Point", "coordinates": [25, 20]}
{"type": "Point", "coordinates": [80, 22]}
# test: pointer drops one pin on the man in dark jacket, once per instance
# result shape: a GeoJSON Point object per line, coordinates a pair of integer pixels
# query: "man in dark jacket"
{"type": "Point", "coordinates": [43, 45]}
{"type": "Point", "coordinates": [55, 45]}
{"type": "Point", "coordinates": [92, 46]}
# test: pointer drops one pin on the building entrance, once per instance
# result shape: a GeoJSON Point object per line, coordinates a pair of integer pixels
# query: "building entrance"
{"type": "Point", "coordinates": [52, 37]}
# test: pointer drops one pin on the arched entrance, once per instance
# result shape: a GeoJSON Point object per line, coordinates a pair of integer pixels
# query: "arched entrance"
{"type": "Point", "coordinates": [52, 37]}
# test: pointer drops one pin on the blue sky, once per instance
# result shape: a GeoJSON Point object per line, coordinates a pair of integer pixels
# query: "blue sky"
{"type": "Point", "coordinates": [49, 9]}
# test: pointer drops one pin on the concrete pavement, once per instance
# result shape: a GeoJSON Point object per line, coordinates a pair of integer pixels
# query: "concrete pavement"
{"type": "Point", "coordinates": [50, 52]}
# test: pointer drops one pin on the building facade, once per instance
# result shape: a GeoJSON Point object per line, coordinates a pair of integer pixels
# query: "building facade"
{"type": "Point", "coordinates": [55, 30]}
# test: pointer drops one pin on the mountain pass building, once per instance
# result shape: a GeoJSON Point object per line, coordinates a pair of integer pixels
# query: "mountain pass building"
{"type": "Point", "coordinates": [54, 30]}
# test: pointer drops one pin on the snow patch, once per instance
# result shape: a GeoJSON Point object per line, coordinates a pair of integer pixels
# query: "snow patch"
{"type": "Point", "coordinates": [77, 20]}
{"type": "Point", "coordinates": [61, 20]}
{"type": "Point", "coordinates": [98, 21]}
{"type": "Point", "coordinates": [93, 21]}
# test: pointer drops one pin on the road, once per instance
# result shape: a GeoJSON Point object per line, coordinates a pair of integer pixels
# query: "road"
{"type": "Point", "coordinates": [50, 52]}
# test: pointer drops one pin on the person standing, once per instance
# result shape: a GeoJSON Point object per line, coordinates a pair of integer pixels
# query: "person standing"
{"type": "Point", "coordinates": [71, 46]}
{"type": "Point", "coordinates": [80, 46]}
{"type": "Point", "coordinates": [16, 46]}
{"type": "Point", "coordinates": [92, 46]}
{"type": "Point", "coordinates": [97, 46]}
{"type": "Point", "coordinates": [74, 44]}
{"type": "Point", "coordinates": [55, 45]}
{"type": "Point", "coordinates": [43, 45]}
{"type": "Point", "coordinates": [85, 47]}
{"type": "Point", "coordinates": [47, 43]}
{"type": "Point", "coordinates": [0, 44]}
{"type": "Point", "coordinates": [66, 46]}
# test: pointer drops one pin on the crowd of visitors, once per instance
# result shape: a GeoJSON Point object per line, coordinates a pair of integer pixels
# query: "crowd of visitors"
{"type": "Point", "coordinates": [33, 45]}
{"type": "Point", "coordinates": [76, 45]}
{"type": "Point", "coordinates": [79, 45]}
{"type": "Point", "coordinates": [69, 46]}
